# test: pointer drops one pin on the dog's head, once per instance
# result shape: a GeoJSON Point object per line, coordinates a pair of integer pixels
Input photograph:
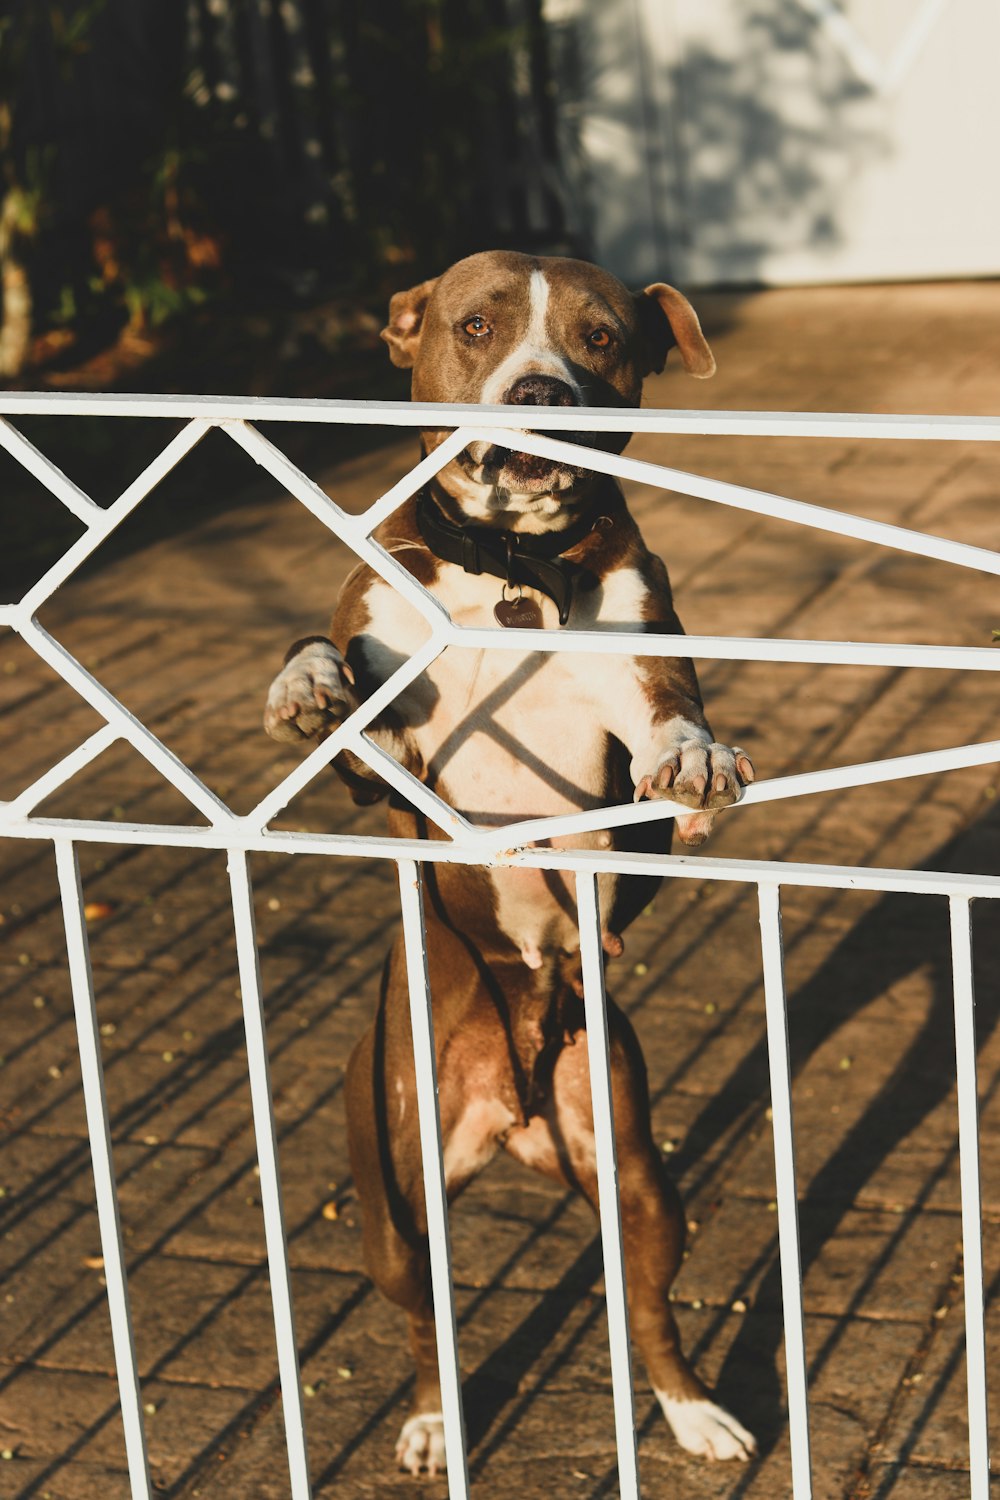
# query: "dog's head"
{"type": "Point", "coordinates": [527, 331]}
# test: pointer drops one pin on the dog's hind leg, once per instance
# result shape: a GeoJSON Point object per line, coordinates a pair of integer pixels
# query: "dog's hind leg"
{"type": "Point", "coordinates": [384, 1141]}
{"type": "Point", "coordinates": [385, 1163]}
{"type": "Point", "coordinates": [559, 1142]}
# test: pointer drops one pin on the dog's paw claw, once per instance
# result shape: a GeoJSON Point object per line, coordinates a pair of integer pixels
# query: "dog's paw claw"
{"type": "Point", "coordinates": [420, 1449]}
{"type": "Point", "coordinates": [702, 1427]}
{"type": "Point", "coordinates": [744, 767]}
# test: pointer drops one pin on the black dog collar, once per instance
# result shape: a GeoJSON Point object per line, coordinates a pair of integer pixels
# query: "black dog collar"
{"type": "Point", "coordinates": [529, 559]}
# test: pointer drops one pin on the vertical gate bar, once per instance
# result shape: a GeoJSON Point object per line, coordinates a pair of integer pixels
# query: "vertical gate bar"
{"type": "Point", "coordinates": [99, 1131]}
{"type": "Point", "coordinates": [598, 1052]}
{"type": "Point", "coordinates": [784, 1172]}
{"type": "Point", "coordinates": [972, 1227]}
{"type": "Point", "coordinates": [265, 1135]}
{"type": "Point", "coordinates": [435, 1192]}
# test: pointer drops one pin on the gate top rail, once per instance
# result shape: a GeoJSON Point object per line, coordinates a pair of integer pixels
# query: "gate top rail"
{"type": "Point", "coordinates": [927, 427]}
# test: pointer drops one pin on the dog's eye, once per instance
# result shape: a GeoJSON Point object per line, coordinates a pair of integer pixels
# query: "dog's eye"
{"type": "Point", "coordinates": [476, 327]}
{"type": "Point", "coordinates": [599, 339]}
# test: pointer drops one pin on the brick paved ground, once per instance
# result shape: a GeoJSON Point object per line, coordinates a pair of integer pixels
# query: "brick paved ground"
{"type": "Point", "coordinates": [187, 630]}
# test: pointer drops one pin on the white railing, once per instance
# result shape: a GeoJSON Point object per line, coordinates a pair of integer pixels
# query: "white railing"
{"type": "Point", "coordinates": [467, 844]}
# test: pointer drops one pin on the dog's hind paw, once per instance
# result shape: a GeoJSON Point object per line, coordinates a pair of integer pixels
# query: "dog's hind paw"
{"type": "Point", "coordinates": [420, 1449]}
{"type": "Point", "coordinates": [706, 1429]}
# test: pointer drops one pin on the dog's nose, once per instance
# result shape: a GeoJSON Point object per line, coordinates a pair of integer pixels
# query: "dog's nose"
{"type": "Point", "coordinates": [539, 390]}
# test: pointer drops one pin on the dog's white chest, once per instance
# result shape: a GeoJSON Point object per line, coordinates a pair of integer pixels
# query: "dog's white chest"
{"type": "Point", "coordinates": [505, 735]}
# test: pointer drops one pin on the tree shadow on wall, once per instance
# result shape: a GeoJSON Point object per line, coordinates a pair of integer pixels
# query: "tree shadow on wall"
{"type": "Point", "coordinates": [736, 155]}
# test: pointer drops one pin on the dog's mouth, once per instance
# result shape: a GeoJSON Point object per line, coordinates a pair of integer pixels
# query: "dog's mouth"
{"type": "Point", "coordinates": [523, 473]}
{"type": "Point", "coordinates": [530, 469]}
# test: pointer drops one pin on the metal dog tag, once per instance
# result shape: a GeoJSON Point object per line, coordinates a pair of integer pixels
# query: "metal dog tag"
{"type": "Point", "coordinates": [524, 614]}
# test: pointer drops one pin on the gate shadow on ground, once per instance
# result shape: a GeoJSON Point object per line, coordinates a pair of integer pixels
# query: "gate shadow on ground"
{"type": "Point", "coordinates": [898, 936]}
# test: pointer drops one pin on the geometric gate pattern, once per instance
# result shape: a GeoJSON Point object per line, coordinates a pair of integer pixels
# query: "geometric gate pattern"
{"type": "Point", "coordinates": [513, 844]}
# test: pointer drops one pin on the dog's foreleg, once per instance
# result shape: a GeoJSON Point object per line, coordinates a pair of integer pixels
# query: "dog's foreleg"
{"type": "Point", "coordinates": [314, 692]}
{"type": "Point", "coordinates": [657, 715]}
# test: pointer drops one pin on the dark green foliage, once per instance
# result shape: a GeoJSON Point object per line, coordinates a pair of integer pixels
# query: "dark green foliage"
{"type": "Point", "coordinates": [157, 154]}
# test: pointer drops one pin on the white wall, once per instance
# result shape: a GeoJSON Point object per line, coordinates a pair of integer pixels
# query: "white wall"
{"type": "Point", "coordinates": [782, 140]}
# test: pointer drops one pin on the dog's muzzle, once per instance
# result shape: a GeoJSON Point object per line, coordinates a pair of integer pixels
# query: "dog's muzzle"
{"type": "Point", "coordinates": [509, 469]}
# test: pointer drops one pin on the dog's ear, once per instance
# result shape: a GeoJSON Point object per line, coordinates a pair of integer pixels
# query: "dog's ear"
{"type": "Point", "coordinates": [667, 319]}
{"type": "Point", "coordinates": [406, 320]}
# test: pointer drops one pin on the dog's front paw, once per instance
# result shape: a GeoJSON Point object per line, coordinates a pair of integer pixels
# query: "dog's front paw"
{"type": "Point", "coordinates": [709, 1430]}
{"type": "Point", "coordinates": [420, 1449]}
{"type": "Point", "coordinates": [702, 775]}
{"type": "Point", "coordinates": [310, 694]}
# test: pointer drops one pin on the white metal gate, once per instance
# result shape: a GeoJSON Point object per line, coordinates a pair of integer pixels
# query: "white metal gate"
{"type": "Point", "coordinates": [242, 835]}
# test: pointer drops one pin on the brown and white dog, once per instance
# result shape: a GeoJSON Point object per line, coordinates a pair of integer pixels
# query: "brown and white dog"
{"type": "Point", "coordinates": [504, 735]}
